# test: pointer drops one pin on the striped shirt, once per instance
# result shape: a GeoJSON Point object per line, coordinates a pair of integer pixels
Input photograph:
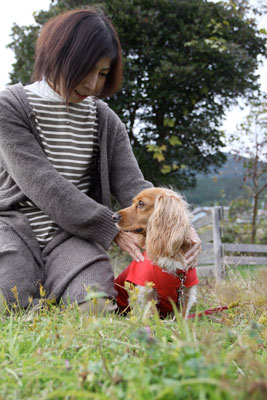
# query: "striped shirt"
{"type": "Point", "coordinates": [70, 141]}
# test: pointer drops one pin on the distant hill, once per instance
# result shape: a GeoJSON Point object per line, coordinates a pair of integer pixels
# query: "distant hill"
{"type": "Point", "coordinates": [219, 187]}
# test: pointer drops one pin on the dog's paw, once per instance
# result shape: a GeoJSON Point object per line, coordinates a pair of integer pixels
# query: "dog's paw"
{"type": "Point", "coordinates": [185, 268]}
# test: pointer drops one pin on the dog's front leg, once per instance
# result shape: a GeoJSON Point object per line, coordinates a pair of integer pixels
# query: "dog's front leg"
{"type": "Point", "coordinates": [189, 299]}
{"type": "Point", "coordinates": [146, 295]}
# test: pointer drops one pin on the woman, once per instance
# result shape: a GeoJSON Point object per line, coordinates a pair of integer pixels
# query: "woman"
{"type": "Point", "coordinates": [63, 153]}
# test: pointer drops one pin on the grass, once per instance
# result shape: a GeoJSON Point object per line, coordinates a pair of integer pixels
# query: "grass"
{"type": "Point", "coordinates": [57, 353]}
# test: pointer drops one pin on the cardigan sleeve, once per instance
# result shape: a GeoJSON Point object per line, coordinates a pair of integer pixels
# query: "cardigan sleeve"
{"type": "Point", "coordinates": [25, 161]}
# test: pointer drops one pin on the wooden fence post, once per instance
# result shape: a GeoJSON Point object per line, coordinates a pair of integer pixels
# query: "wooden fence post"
{"type": "Point", "coordinates": [217, 243]}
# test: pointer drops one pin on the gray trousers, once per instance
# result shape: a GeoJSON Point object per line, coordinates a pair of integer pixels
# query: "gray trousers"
{"type": "Point", "coordinates": [65, 267]}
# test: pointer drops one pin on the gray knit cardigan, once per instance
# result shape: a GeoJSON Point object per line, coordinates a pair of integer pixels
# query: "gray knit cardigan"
{"type": "Point", "coordinates": [25, 172]}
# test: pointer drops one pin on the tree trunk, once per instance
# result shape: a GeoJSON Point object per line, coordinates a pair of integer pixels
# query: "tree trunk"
{"type": "Point", "coordinates": [254, 219]}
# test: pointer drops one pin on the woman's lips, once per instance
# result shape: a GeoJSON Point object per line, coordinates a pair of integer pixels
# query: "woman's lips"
{"type": "Point", "coordinates": [81, 96]}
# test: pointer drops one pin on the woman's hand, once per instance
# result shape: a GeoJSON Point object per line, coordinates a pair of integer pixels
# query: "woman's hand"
{"type": "Point", "coordinates": [192, 255]}
{"type": "Point", "coordinates": [128, 242]}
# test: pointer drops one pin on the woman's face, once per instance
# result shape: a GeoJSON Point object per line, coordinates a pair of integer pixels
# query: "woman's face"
{"type": "Point", "coordinates": [93, 83]}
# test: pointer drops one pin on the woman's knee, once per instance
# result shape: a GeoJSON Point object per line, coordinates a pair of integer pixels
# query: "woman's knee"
{"type": "Point", "coordinates": [98, 277]}
{"type": "Point", "coordinates": [19, 272]}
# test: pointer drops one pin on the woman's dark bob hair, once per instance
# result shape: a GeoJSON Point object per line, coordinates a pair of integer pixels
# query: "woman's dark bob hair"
{"type": "Point", "coordinates": [70, 45]}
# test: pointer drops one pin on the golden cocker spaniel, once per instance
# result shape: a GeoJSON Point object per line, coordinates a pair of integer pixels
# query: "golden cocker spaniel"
{"type": "Point", "coordinates": [162, 220]}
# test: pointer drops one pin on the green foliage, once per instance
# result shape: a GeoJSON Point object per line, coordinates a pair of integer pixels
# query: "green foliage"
{"type": "Point", "coordinates": [58, 353]}
{"type": "Point", "coordinates": [23, 45]}
{"type": "Point", "coordinates": [237, 225]}
{"type": "Point", "coordinates": [184, 63]}
{"type": "Point", "coordinates": [238, 208]}
{"type": "Point", "coordinates": [239, 231]}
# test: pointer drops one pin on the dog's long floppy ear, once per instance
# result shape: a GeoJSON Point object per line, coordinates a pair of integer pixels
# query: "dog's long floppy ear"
{"type": "Point", "coordinates": [167, 228]}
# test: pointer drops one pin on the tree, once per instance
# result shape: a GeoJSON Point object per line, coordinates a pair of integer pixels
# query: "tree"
{"type": "Point", "coordinates": [185, 62]}
{"type": "Point", "coordinates": [251, 140]}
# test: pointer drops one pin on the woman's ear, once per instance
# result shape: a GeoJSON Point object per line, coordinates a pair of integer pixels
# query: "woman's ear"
{"type": "Point", "coordinates": [167, 228]}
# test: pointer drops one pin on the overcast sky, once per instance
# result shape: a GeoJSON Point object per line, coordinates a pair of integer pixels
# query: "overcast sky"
{"type": "Point", "coordinates": [21, 12]}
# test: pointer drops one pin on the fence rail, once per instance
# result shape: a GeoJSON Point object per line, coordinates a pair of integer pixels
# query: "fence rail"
{"type": "Point", "coordinates": [248, 248]}
{"type": "Point", "coordinates": [216, 255]}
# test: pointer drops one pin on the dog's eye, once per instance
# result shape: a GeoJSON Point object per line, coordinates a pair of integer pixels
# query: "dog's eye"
{"type": "Point", "coordinates": [140, 204]}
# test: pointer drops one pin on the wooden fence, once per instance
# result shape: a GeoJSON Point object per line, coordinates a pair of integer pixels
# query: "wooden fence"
{"type": "Point", "coordinates": [216, 256]}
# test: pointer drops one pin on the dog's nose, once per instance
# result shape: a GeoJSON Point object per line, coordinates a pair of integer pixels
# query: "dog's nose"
{"type": "Point", "coordinates": [116, 217]}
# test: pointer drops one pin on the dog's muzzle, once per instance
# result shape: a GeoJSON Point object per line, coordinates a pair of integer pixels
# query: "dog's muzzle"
{"type": "Point", "coordinates": [116, 217]}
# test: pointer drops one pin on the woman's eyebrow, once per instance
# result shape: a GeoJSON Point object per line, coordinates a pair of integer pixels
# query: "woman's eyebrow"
{"type": "Point", "coordinates": [107, 69]}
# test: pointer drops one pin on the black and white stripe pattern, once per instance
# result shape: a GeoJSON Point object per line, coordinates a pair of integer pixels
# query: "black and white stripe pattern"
{"type": "Point", "coordinates": [69, 138]}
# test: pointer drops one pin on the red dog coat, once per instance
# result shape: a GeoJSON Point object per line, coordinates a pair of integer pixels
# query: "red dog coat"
{"type": "Point", "coordinates": [165, 284]}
